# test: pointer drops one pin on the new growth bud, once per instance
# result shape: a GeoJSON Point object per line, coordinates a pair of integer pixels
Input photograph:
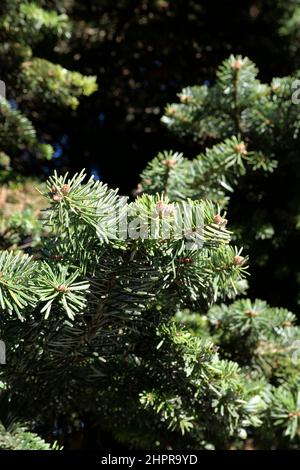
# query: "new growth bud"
{"type": "Point", "coordinates": [241, 149]}
{"type": "Point", "coordinates": [170, 163]}
{"type": "Point", "coordinates": [164, 210]}
{"type": "Point", "coordinates": [57, 194]}
{"type": "Point", "coordinates": [239, 260]}
{"type": "Point", "coordinates": [237, 64]}
{"type": "Point", "coordinates": [62, 288]}
{"type": "Point", "coordinates": [219, 220]}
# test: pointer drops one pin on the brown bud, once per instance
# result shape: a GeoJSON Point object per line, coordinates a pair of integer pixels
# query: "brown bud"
{"type": "Point", "coordinates": [251, 313]}
{"type": "Point", "coordinates": [171, 111]}
{"type": "Point", "coordinates": [1, 274]}
{"type": "Point", "coordinates": [287, 323]}
{"type": "Point", "coordinates": [65, 189]}
{"type": "Point", "coordinates": [275, 86]}
{"type": "Point", "coordinates": [27, 63]}
{"type": "Point", "coordinates": [294, 414]}
{"type": "Point", "coordinates": [170, 163]}
{"type": "Point", "coordinates": [57, 257]}
{"type": "Point", "coordinates": [239, 260]}
{"type": "Point", "coordinates": [164, 210]}
{"type": "Point", "coordinates": [57, 197]}
{"type": "Point", "coordinates": [220, 220]}
{"type": "Point", "coordinates": [237, 64]}
{"type": "Point", "coordinates": [241, 149]}
{"type": "Point", "coordinates": [147, 181]}
{"type": "Point", "coordinates": [184, 98]}
{"type": "Point", "coordinates": [185, 260]}
{"type": "Point", "coordinates": [62, 288]}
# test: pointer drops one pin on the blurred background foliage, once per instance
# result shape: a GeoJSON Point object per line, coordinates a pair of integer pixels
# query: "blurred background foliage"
{"type": "Point", "coordinates": [142, 53]}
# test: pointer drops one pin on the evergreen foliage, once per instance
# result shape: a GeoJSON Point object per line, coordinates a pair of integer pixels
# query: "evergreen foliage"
{"type": "Point", "coordinates": [96, 325]}
{"type": "Point", "coordinates": [18, 438]}
{"type": "Point", "coordinates": [14, 436]}
{"type": "Point", "coordinates": [32, 83]}
{"type": "Point", "coordinates": [265, 119]}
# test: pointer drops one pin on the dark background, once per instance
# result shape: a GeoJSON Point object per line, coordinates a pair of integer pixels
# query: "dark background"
{"type": "Point", "coordinates": [143, 53]}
